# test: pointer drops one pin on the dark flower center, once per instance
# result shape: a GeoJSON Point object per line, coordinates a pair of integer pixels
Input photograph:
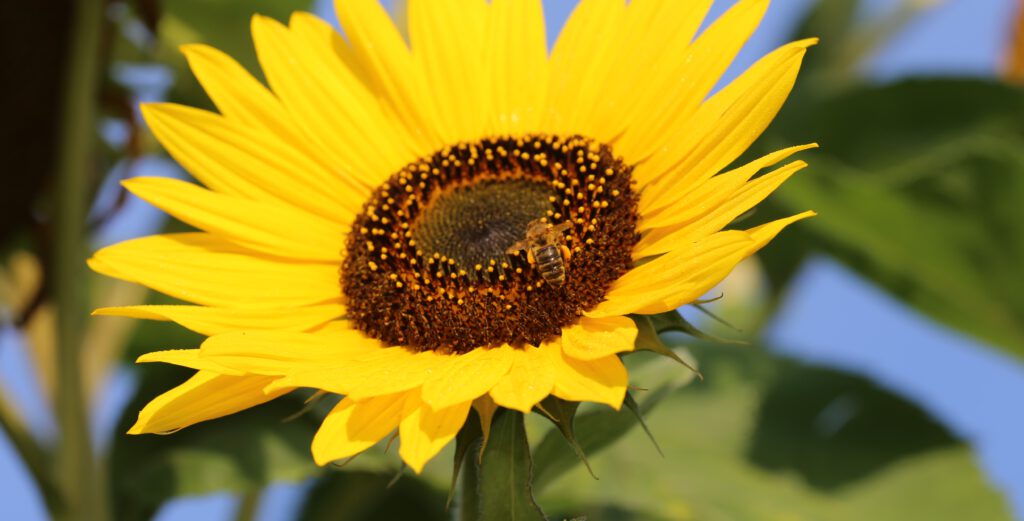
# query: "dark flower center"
{"type": "Point", "coordinates": [440, 257]}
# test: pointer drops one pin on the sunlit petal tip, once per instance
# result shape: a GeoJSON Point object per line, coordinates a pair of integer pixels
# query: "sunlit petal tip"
{"type": "Point", "coordinates": [196, 50]}
{"type": "Point", "coordinates": [808, 42]}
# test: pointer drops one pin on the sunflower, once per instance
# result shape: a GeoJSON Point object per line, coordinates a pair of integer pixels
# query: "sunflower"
{"type": "Point", "coordinates": [364, 222]}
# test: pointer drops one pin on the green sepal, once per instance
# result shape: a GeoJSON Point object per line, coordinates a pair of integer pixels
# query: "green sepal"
{"type": "Point", "coordinates": [594, 431]}
{"type": "Point", "coordinates": [673, 321]}
{"type": "Point", "coordinates": [700, 307]}
{"type": "Point", "coordinates": [634, 408]}
{"type": "Point", "coordinates": [469, 436]}
{"type": "Point", "coordinates": [647, 339]}
{"type": "Point", "coordinates": [505, 488]}
{"type": "Point", "coordinates": [563, 414]}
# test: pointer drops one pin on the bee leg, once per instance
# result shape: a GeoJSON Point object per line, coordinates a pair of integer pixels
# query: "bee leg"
{"type": "Point", "coordinates": [530, 258]}
{"type": "Point", "coordinates": [566, 253]}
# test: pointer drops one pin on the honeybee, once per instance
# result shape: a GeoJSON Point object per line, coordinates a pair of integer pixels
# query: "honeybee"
{"type": "Point", "coordinates": [545, 249]}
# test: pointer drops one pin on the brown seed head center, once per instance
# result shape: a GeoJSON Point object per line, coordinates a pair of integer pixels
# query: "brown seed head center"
{"type": "Point", "coordinates": [439, 257]}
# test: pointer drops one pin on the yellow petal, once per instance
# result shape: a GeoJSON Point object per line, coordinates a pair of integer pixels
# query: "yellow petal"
{"type": "Point", "coordinates": [687, 205]}
{"type": "Point", "coordinates": [447, 37]}
{"type": "Point", "coordinates": [467, 376]}
{"type": "Point", "coordinates": [203, 397]}
{"type": "Point", "coordinates": [200, 268]}
{"type": "Point", "coordinates": [318, 33]}
{"type": "Point", "coordinates": [339, 361]}
{"type": "Point", "coordinates": [280, 353]}
{"type": "Point", "coordinates": [234, 159]}
{"type": "Point", "coordinates": [274, 229]}
{"type": "Point", "coordinates": [352, 427]}
{"type": "Point", "coordinates": [382, 54]}
{"type": "Point", "coordinates": [593, 338]}
{"type": "Point", "coordinates": [389, 371]}
{"type": "Point", "coordinates": [529, 379]}
{"type": "Point", "coordinates": [602, 380]}
{"type": "Point", "coordinates": [238, 95]}
{"type": "Point", "coordinates": [582, 59]}
{"type": "Point", "coordinates": [214, 321]}
{"type": "Point", "coordinates": [517, 52]}
{"type": "Point", "coordinates": [726, 125]}
{"type": "Point", "coordinates": [763, 234]}
{"type": "Point", "coordinates": [425, 431]}
{"type": "Point", "coordinates": [652, 50]}
{"type": "Point", "coordinates": [738, 202]}
{"type": "Point", "coordinates": [677, 87]}
{"type": "Point", "coordinates": [687, 272]}
{"type": "Point", "coordinates": [332, 106]}
{"type": "Point", "coordinates": [187, 358]}
{"type": "Point", "coordinates": [681, 276]}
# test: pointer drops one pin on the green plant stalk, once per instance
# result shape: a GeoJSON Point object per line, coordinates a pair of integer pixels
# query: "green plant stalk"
{"type": "Point", "coordinates": [81, 487]}
{"type": "Point", "coordinates": [249, 505]}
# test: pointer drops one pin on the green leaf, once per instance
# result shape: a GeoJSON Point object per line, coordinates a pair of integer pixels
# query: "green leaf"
{"type": "Point", "coordinates": [236, 453]}
{"type": "Point", "coordinates": [470, 436]}
{"type": "Point", "coordinates": [761, 439]}
{"type": "Point", "coordinates": [835, 429]}
{"type": "Point", "coordinates": [505, 488]}
{"type": "Point", "coordinates": [918, 187]}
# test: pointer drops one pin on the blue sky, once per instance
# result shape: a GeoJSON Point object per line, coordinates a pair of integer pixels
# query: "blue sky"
{"type": "Point", "coordinates": [965, 385]}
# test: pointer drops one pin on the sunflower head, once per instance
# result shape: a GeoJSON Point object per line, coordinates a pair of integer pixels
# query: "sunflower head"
{"type": "Point", "coordinates": [455, 220]}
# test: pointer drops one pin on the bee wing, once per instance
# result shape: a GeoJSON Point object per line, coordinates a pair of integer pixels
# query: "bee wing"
{"type": "Point", "coordinates": [561, 227]}
{"type": "Point", "coordinates": [517, 247]}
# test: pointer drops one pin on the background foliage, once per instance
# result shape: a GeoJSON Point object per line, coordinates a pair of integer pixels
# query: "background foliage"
{"type": "Point", "coordinates": [919, 186]}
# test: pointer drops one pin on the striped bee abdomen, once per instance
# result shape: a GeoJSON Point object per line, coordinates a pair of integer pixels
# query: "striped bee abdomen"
{"type": "Point", "coordinates": [550, 264]}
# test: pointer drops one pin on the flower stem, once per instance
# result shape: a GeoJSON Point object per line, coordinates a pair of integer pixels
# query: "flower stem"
{"type": "Point", "coordinates": [82, 490]}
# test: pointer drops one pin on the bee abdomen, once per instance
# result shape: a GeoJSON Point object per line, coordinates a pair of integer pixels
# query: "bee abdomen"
{"type": "Point", "coordinates": [549, 264]}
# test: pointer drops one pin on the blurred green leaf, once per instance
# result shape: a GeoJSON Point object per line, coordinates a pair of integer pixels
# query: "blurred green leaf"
{"type": "Point", "coordinates": [236, 453]}
{"type": "Point", "coordinates": [919, 187]}
{"type": "Point", "coordinates": [468, 443]}
{"type": "Point", "coordinates": [834, 428]}
{"type": "Point", "coordinates": [732, 455]}
{"type": "Point", "coordinates": [365, 496]}
{"type": "Point", "coordinates": [505, 488]}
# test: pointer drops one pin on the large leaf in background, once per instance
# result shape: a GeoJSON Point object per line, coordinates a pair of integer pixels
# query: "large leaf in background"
{"type": "Point", "coordinates": [834, 429]}
{"type": "Point", "coordinates": [719, 435]}
{"type": "Point", "coordinates": [241, 452]}
{"type": "Point", "coordinates": [920, 187]}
